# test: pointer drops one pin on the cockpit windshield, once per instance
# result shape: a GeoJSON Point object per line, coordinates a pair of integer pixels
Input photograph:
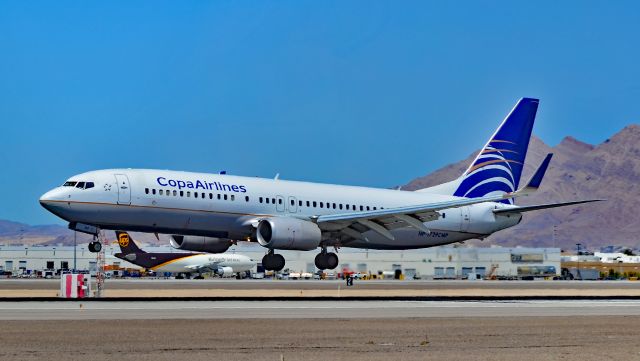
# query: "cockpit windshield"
{"type": "Point", "coordinates": [79, 185]}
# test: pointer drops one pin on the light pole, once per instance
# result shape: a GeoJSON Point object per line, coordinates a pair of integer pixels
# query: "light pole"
{"type": "Point", "coordinates": [578, 259]}
{"type": "Point", "coordinates": [75, 243]}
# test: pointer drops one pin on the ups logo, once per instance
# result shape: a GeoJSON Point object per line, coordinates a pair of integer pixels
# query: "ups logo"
{"type": "Point", "coordinates": [123, 239]}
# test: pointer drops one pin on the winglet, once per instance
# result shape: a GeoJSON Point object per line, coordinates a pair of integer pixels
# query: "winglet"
{"type": "Point", "coordinates": [536, 179]}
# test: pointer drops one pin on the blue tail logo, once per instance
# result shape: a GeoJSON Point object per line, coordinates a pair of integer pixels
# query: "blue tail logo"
{"type": "Point", "coordinates": [498, 166]}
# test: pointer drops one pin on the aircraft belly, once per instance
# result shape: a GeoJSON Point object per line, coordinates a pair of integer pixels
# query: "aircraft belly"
{"type": "Point", "coordinates": [409, 238]}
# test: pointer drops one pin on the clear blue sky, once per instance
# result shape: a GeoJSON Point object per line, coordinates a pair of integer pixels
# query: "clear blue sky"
{"type": "Point", "coordinates": [367, 93]}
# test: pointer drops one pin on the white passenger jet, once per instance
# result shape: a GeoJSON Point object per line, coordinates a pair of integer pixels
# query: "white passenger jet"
{"type": "Point", "coordinates": [206, 212]}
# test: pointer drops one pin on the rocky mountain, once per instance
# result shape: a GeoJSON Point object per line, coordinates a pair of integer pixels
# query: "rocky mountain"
{"type": "Point", "coordinates": [578, 171]}
{"type": "Point", "coordinates": [610, 171]}
{"type": "Point", "coordinates": [14, 233]}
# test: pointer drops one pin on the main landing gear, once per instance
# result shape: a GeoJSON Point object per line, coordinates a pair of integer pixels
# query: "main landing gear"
{"type": "Point", "coordinates": [272, 261]}
{"type": "Point", "coordinates": [326, 260]}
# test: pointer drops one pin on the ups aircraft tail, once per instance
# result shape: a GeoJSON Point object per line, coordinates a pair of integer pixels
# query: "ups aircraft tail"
{"type": "Point", "coordinates": [126, 243]}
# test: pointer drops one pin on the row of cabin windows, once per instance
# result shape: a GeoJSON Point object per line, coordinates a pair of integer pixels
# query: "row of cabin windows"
{"type": "Point", "coordinates": [267, 200]}
{"type": "Point", "coordinates": [203, 195]}
{"type": "Point", "coordinates": [315, 204]}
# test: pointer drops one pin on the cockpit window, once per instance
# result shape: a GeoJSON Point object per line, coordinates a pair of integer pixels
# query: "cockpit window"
{"type": "Point", "coordinates": [79, 185]}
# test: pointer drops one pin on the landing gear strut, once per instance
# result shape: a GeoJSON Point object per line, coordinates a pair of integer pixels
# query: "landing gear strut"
{"type": "Point", "coordinates": [326, 260]}
{"type": "Point", "coordinates": [273, 262]}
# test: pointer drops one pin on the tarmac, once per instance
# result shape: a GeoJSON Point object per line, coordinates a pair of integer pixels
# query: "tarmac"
{"type": "Point", "coordinates": [320, 330]}
{"type": "Point", "coordinates": [306, 289]}
{"type": "Point", "coordinates": [322, 320]}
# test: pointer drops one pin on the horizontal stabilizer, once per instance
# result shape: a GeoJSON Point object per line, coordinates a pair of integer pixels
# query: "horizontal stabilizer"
{"type": "Point", "coordinates": [541, 206]}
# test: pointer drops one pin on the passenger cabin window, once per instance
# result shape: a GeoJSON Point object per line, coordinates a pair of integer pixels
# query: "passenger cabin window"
{"type": "Point", "coordinates": [225, 197]}
{"type": "Point", "coordinates": [299, 203]}
{"type": "Point", "coordinates": [160, 192]}
{"type": "Point", "coordinates": [280, 201]}
{"type": "Point", "coordinates": [175, 193]}
{"type": "Point", "coordinates": [153, 191]}
{"type": "Point", "coordinates": [308, 204]}
{"type": "Point", "coordinates": [233, 197]}
{"type": "Point", "coordinates": [210, 195]}
{"type": "Point", "coordinates": [146, 191]}
{"type": "Point", "coordinates": [246, 198]}
{"type": "Point", "coordinates": [314, 204]}
{"type": "Point", "coordinates": [218, 196]}
{"type": "Point", "coordinates": [260, 199]}
{"type": "Point", "coordinates": [273, 200]}
{"type": "Point", "coordinates": [267, 200]}
{"type": "Point", "coordinates": [293, 203]}
{"type": "Point", "coordinates": [367, 207]}
{"type": "Point", "coordinates": [321, 204]}
{"type": "Point", "coordinates": [195, 194]}
{"type": "Point", "coordinates": [181, 193]}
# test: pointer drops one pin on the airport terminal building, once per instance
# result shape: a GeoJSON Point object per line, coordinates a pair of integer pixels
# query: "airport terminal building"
{"type": "Point", "coordinates": [444, 262]}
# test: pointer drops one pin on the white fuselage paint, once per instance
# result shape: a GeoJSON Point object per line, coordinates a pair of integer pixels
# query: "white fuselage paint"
{"type": "Point", "coordinates": [118, 200]}
{"type": "Point", "coordinates": [192, 263]}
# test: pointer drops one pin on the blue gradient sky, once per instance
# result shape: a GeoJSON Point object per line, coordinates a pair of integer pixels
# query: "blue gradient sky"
{"type": "Point", "coordinates": [365, 93]}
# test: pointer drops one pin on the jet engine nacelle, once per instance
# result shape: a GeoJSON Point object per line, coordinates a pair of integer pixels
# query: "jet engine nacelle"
{"type": "Point", "coordinates": [200, 244]}
{"type": "Point", "coordinates": [225, 272]}
{"type": "Point", "coordinates": [288, 233]}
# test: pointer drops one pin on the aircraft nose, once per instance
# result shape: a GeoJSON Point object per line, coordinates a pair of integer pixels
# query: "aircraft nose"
{"type": "Point", "coordinates": [49, 198]}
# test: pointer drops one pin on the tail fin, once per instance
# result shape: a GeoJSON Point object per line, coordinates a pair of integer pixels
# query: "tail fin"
{"type": "Point", "coordinates": [498, 166]}
{"type": "Point", "coordinates": [127, 245]}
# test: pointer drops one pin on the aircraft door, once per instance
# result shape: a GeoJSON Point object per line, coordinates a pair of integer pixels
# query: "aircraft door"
{"type": "Point", "coordinates": [466, 219]}
{"type": "Point", "coordinates": [293, 206]}
{"type": "Point", "coordinates": [124, 190]}
{"type": "Point", "coordinates": [280, 203]}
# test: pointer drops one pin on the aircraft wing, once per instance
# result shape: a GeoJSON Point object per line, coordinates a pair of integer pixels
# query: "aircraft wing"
{"type": "Point", "coordinates": [383, 220]}
{"type": "Point", "coordinates": [542, 206]}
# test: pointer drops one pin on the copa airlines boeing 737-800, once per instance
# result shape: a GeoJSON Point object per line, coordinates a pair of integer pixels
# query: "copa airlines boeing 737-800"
{"type": "Point", "coordinates": [206, 212]}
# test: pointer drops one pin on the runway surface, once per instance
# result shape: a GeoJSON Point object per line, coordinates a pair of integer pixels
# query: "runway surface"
{"type": "Point", "coordinates": [248, 284]}
{"type": "Point", "coordinates": [391, 289]}
{"type": "Point", "coordinates": [308, 309]}
{"type": "Point", "coordinates": [315, 331]}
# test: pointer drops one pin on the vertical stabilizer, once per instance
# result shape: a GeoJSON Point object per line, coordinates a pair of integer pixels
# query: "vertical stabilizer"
{"type": "Point", "coordinates": [498, 167]}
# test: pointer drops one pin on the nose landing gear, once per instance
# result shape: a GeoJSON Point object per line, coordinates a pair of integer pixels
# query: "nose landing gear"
{"type": "Point", "coordinates": [326, 260]}
{"type": "Point", "coordinates": [95, 247]}
{"type": "Point", "coordinates": [273, 262]}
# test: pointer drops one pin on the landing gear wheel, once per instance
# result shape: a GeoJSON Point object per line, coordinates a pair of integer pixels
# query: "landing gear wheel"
{"type": "Point", "coordinates": [95, 247]}
{"type": "Point", "coordinates": [273, 262]}
{"type": "Point", "coordinates": [279, 262]}
{"type": "Point", "coordinates": [326, 260]}
{"type": "Point", "coordinates": [331, 260]}
{"type": "Point", "coordinates": [320, 261]}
